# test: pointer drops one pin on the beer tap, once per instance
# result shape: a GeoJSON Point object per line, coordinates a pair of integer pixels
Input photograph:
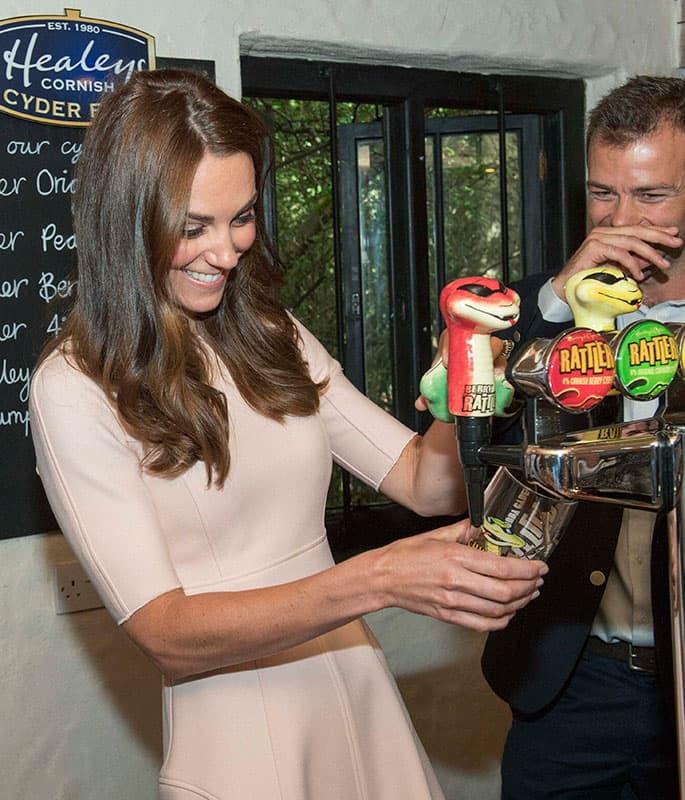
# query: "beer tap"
{"type": "Point", "coordinates": [645, 352]}
{"type": "Point", "coordinates": [639, 464]}
{"type": "Point", "coordinates": [565, 380]}
{"type": "Point", "coordinates": [473, 308]}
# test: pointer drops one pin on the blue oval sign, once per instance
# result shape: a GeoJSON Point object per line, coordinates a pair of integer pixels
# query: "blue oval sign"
{"type": "Point", "coordinates": [56, 68]}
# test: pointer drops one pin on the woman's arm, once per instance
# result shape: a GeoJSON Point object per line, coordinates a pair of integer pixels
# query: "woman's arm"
{"type": "Point", "coordinates": [427, 478]}
{"type": "Point", "coordinates": [430, 574]}
{"type": "Point", "coordinates": [91, 472]}
{"type": "Point", "coordinates": [436, 573]}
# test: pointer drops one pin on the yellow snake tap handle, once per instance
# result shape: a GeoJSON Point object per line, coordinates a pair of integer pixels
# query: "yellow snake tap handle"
{"type": "Point", "coordinates": [600, 294]}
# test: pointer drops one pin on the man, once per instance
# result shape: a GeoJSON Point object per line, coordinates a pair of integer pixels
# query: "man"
{"type": "Point", "coordinates": [587, 669]}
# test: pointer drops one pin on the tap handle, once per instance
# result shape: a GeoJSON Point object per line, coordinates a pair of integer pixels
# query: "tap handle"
{"type": "Point", "coordinates": [600, 294]}
{"type": "Point", "coordinates": [473, 308]}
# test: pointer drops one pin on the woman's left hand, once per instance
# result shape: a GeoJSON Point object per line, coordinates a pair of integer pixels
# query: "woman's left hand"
{"type": "Point", "coordinates": [499, 360]}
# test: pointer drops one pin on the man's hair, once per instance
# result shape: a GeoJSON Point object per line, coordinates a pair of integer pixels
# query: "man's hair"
{"type": "Point", "coordinates": [635, 110]}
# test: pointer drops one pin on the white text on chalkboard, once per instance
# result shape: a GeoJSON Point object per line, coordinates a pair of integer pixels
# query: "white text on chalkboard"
{"type": "Point", "coordinates": [11, 186]}
{"type": "Point", "coordinates": [15, 418]}
{"type": "Point", "coordinates": [8, 240]}
{"type": "Point", "coordinates": [10, 376]}
{"type": "Point", "coordinates": [49, 288]}
{"type": "Point", "coordinates": [49, 236]}
{"type": "Point", "coordinates": [48, 183]}
{"type": "Point", "coordinates": [9, 331]}
{"type": "Point", "coordinates": [9, 290]}
{"type": "Point", "coordinates": [21, 148]}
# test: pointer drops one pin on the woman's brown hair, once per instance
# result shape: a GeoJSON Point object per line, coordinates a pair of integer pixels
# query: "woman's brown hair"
{"type": "Point", "coordinates": [125, 330]}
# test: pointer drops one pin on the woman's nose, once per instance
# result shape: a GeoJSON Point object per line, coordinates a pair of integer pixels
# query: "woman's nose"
{"type": "Point", "coordinates": [221, 252]}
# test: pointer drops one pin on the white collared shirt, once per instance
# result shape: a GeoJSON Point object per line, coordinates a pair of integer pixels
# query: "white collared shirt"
{"type": "Point", "coordinates": [626, 609]}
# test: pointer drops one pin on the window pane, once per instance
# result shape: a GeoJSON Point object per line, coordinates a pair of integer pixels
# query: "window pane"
{"type": "Point", "coordinates": [374, 271]}
{"type": "Point", "coordinates": [471, 204]}
{"type": "Point", "coordinates": [463, 183]}
{"type": "Point", "coordinates": [383, 239]}
{"type": "Point", "coordinates": [304, 210]}
{"type": "Point", "coordinates": [373, 267]}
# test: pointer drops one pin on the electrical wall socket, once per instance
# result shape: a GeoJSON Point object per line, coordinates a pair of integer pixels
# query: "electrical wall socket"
{"type": "Point", "coordinates": [73, 589]}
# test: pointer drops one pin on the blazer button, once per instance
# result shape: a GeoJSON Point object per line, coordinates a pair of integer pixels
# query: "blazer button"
{"type": "Point", "coordinates": [597, 577]}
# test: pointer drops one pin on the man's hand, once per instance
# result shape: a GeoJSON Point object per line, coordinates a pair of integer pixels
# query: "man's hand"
{"type": "Point", "coordinates": [634, 248]}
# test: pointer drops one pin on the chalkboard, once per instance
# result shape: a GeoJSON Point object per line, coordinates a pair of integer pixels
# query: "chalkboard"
{"type": "Point", "coordinates": [37, 261]}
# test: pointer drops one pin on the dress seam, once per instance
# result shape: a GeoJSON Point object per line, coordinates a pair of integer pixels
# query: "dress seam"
{"type": "Point", "coordinates": [272, 748]}
{"type": "Point", "coordinates": [186, 787]}
{"type": "Point", "coordinates": [350, 731]}
{"type": "Point", "coordinates": [168, 707]}
{"type": "Point", "coordinates": [391, 458]}
{"type": "Point", "coordinates": [285, 559]}
{"type": "Point", "coordinates": [208, 539]}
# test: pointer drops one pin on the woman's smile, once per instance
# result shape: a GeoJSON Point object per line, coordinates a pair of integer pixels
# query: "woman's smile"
{"type": "Point", "coordinates": [209, 279]}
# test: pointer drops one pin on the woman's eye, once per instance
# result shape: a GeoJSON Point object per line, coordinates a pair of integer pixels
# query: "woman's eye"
{"type": "Point", "coordinates": [245, 219]}
{"type": "Point", "coordinates": [192, 232]}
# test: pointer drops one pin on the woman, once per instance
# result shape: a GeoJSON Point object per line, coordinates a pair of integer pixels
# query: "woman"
{"type": "Point", "coordinates": [184, 427]}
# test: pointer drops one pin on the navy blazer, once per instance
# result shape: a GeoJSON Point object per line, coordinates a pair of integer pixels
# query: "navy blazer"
{"type": "Point", "coordinates": [528, 663]}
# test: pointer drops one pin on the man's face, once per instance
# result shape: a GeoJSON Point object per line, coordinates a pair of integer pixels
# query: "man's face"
{"type": "Point", "coordinates": [640, 184]}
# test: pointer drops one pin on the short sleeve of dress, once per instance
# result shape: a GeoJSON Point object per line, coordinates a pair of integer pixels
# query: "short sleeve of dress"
{"type": "Point", "coordinates": [91, 473]}
{"type": "Point", "coordinates": [365, 439]}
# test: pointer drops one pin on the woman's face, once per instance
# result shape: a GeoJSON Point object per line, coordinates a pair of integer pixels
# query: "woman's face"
{"type": "Point", "coordinates": [220, 227]}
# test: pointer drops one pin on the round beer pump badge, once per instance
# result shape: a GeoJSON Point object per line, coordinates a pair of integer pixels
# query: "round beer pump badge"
{"type": "Point", "coordinates": [581, 369]}
{"type": "Point", "coordinates": [646, 355]}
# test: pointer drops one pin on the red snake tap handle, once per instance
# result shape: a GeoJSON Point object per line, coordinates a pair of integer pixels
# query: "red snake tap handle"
{"type": "Point", "coordinates": [473, 308]}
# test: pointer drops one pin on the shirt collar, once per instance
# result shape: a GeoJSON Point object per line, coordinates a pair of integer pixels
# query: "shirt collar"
{"type": "Point", "coordinates": [668, 311]}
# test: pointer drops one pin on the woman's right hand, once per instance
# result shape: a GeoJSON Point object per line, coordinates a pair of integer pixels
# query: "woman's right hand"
{"type": "Point", "coordinates": [435, 573]}
{"type": "Point", "coordinates": [438, 574]}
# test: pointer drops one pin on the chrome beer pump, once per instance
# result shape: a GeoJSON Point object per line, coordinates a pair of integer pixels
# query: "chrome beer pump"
{"type": "Point", "coordinates": [589, 372]}
{"type": "Point", "coordinates": [586, 374]}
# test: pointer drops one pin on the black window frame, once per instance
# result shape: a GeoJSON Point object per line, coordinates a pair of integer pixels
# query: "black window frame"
{"type": "Point", "coordinates": [405, 94]}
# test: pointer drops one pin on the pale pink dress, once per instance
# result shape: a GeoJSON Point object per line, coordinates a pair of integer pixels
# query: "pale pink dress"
{"type": "Point", "coordinates": [322, 721]}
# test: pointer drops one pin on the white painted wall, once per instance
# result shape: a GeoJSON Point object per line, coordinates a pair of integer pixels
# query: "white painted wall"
{"type": "Point", "coordinates": [79, 707]}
